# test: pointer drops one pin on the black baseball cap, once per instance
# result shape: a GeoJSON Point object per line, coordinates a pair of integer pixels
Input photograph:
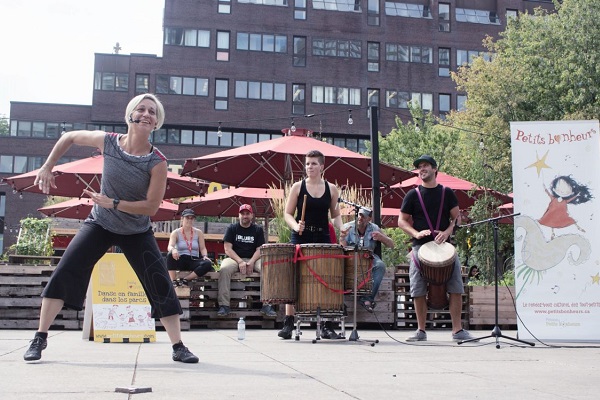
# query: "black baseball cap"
{"type": "Point", "coordinates": [425, 158]}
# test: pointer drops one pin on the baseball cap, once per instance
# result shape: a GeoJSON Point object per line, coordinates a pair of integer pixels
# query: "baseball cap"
{"type": "Point", "coordinates": [187, 212]}
{"type": "Point", "coordinates": [365, 211]}
{"type": "Point", "coordinates": [425, 158]}
{"type": "Point", "coordinates": [246, 207]}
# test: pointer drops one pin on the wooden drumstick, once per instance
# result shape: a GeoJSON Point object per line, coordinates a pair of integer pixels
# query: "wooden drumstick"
{"type": "Point", "coordinates": [303, 212]}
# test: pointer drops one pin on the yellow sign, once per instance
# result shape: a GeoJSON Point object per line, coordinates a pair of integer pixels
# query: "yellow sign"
{"type": "Point", "coordinates": [121, 311]}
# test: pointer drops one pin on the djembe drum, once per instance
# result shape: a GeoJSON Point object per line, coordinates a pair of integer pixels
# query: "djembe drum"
{"type": "Point", "coordinates": [321, 279]}
{"type": "Point", "coordinates": [437, 264]}
{"type": "Point", "coordinates": [278, 273]}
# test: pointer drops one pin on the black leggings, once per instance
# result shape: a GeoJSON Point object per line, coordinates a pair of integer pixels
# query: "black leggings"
{"type": "Point", "coordinates": [70, 280]}
{"type": "Point", "coordinates": [189, 263]}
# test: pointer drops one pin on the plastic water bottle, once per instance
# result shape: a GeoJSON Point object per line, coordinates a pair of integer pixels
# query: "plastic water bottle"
{"type": "Point", "coordinates": [241, 329]}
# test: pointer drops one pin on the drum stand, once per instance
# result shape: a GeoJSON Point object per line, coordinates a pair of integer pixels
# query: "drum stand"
{"type": "Point", "coordinates": [319, 318]}
{"type": "Point", "coordinates": [496, 332]}
{"type": "Point", "coordinates": [354, 335]}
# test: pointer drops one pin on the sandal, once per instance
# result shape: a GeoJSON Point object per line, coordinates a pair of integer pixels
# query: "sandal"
{"type": "Point", "coordinates": [369, 307]}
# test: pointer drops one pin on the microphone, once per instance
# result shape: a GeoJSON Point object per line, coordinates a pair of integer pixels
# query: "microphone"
{"type": "Point", "coordinates": [134, 121]}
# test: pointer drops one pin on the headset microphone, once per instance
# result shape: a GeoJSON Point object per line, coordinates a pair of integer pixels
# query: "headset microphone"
{"type": "Point", "coordinates": [131, 120]}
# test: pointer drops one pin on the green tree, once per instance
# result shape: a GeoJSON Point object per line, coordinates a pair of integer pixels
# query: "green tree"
{"type": "Point", "coordinates": [543, 67]}
{"type": "Point", "coordinates": [4, 125]}
{"type": "Point", "coordinates": [420, 136]}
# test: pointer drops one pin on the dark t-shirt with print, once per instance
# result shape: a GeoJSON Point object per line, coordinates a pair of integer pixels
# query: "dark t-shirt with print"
{"type": "Point", "coordinates": [244, 241]}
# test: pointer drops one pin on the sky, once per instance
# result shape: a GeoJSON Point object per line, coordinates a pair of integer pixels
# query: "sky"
{"type": "Point", "coordinates": [48, 46]}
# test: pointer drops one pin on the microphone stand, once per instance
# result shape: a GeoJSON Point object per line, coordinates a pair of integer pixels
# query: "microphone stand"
{"type": "Point", "coordinates": [496, 332]}
{"type": "Point", "coordinates": [354, 334]}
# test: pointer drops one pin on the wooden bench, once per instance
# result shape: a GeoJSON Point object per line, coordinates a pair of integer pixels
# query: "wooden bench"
{"type": "Point", "coordinates": [21, 286]}
{"type": "Point", "coordinates": [201, 296]}
{"type": "Point", "coordinates": [20, 301]}
{"type": "Point", "coordinates": [36, 260]}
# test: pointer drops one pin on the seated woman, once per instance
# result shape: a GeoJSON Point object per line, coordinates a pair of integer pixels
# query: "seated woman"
{"type": "Point", "coordinates": [187, 251]}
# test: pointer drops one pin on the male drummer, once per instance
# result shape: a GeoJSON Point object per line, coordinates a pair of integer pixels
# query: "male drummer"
{"type": "Point", "coordinates": [432, 225]}
{"type": "Point", "coordinates": [367, 234]}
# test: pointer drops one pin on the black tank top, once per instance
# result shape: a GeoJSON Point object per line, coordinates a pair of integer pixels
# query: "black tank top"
{"type": "Point", "coordinates": [317, 209]}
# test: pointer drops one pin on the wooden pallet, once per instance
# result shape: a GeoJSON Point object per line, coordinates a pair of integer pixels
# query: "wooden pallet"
{"type": "Point", "coordinates": [482, 307]}
{"type": "Point", "coordinates": [384, 312]}
{"type": "Point", "coordinates": [245, 302]}
{"type": "Point", "coordinates": [406, 316]}
{"type": "Point", "coordinates": [20, 301]}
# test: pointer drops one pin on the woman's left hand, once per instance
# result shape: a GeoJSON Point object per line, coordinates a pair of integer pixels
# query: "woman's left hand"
{"type": "Point", "coordinates": [99, 198]}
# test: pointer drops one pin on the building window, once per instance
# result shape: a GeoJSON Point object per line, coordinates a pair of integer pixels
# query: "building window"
{"type": "Point", "coordinates": [407, 10]}
{"type": "Point", "coordinates": [270, 43]}
{"type": "Point", "coordinates": [111, 81]}
{"type": "Point", "coordinates": [405, 53]}
{"type": "Point", "coordinates": [260, 90]}
{"type": "Point", "coordinates": [299, 51]}
{"type": "Point", "coordinates": [444, 100]}
{"type": "Point", "coordinates": [190, 86]}
{"type": "Point", "coordinates": [336, 95]}
{"type": "Point", "coordinates": [298, 99]}
{"type": "Point", "coordinates": [373, 56]}
{"type": "Point", "coordinates": [337, 5]}
{"type": "Point", "coordinates": [511, 14]}
{"type": "Point", "coordinates": [466, 57]}
{"type": "Point", "coordinates": [221, 94]}
{"type": "Point", "coordinates": [461, 102]}
{"type": "Point", "coordinates": [444, 62]}
{"type": "Point", "coordinates": [142, 83]}
{"type": "Point", "coordinates": [396, 99]}
{"type": "Point", "coordinates": [477, 16]}
{"type": "Point", "coordinates": [266, 2]}
{"type": "Point", "coordinates": [373, 13]}
{"type": "Point", "coordinates": [187, 37]}
{"type": "Point", "coordinates": [444, 17]}
{"type": "Point", "coordinates": [224, 6]}
{"type": "Point", "coordinates": [223, 45]}
{"type": "Point", "coordinates": [300, 9]}
{"type": "Point", "coordinates": [337, 48]}
{"type": "Point", "coordinates": [424, 100]}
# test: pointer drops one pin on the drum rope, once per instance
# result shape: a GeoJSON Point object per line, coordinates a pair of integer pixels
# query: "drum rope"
{"type": "Point", "coordinates": [298, 256]}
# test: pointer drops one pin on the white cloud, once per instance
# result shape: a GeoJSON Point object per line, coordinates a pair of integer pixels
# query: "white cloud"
{"type": "Point", "coordinates": [48, 46]}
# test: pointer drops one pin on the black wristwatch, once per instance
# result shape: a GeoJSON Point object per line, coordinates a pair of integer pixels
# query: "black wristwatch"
{"type": "Point", "coordinates": [115, 203]}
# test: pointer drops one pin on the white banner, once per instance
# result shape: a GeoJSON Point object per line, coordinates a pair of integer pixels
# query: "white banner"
{"type": "Point", "coordinates": [557, 192]}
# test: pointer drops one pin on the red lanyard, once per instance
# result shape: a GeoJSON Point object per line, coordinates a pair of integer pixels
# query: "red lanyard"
{"type": "Point", "coordinates": [190, 242]}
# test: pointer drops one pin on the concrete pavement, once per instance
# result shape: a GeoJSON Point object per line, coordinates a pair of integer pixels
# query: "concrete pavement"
{"type": "Point", "coordinates": [265, 367]}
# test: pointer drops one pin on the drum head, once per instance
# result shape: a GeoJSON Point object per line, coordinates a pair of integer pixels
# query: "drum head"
{"type": "Point", "coordinates": [434, 253]}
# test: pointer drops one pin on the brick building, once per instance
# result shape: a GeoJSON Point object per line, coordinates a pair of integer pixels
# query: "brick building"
{"type": "Point", "coordinates": [234, 72]}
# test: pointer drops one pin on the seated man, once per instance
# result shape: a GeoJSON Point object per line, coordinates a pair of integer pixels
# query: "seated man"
{"type": "Point", "coordinates": [187, 251]}
{"type": "Point", "coordinates": [242, 247]}
{"type": "Point", "coordinates": [367, 234]}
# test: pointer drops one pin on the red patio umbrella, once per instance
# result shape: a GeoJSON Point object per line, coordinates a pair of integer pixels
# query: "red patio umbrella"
{"type": "Point", "coordinates": [466, 192]}
{"type": "Point", "coordinates": [226, 202]}
{"type": "Point", "coordinates": [71, 178]}
{"type": "Point", "coordinates": [81, 208]}
{"type": "Point", "coordinates": [276, 161]}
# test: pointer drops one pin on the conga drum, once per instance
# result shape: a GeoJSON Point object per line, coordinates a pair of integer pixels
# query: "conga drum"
{"type": "Point", "coordinates": [278, 273]}
{"type": "Point", "coordinates": [321, 279]}
{"type": "Point", "coordinates": [364, 280]}
{"type": "Point", "coordinates": [437, 264]}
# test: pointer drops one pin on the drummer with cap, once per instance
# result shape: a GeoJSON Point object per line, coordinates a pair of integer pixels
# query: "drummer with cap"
{"type": "Point", "coordinates": [429, 213]}
{"type": "Point", "coordinates": [366, 234]}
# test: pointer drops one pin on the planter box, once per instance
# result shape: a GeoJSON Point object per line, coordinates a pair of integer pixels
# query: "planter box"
{"type": "Point", "coordinates": [482, 306]}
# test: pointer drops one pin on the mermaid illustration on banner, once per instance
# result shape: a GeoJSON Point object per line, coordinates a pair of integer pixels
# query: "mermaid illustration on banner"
{"type": "Point", "coordinates": [538, 254]}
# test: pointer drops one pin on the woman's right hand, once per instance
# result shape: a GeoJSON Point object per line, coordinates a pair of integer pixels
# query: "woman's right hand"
{"type": "Point", "coordinates": [45, 179]}
{"type": "Point", "coordinates": [175, 254]}
{"type": "Point", "coordinates": [301, 226]}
